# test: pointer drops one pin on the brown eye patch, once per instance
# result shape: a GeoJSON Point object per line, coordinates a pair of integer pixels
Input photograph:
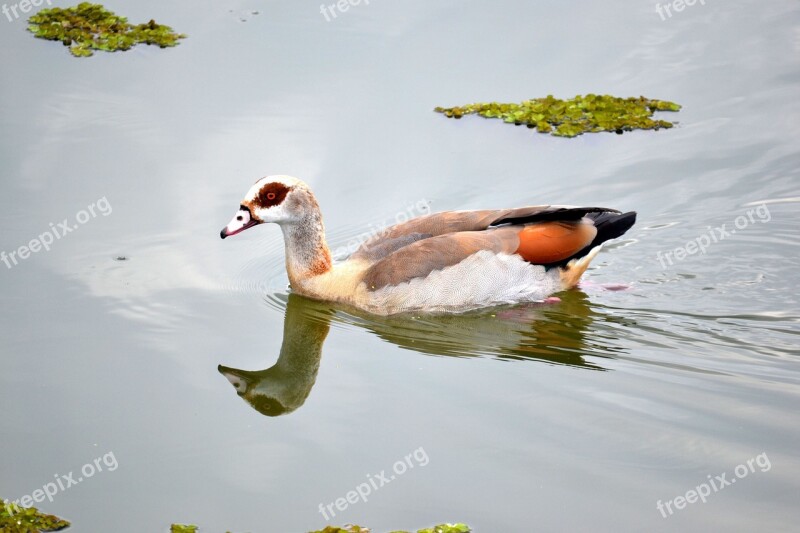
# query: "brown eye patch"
{"type": "Point", "coordinates": [270, 195]}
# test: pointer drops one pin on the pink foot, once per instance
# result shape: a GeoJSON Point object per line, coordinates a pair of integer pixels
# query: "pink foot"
{"type": "Point", "coordinates": [588, 285]}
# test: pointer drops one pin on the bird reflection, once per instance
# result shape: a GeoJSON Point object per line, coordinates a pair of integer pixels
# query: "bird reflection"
{"type": "Point", "coordinates": [554, 333]}
{"type": "Point", "coordinates": [551, 332]}
{"type": "Point", "coordinates": [284, 387]}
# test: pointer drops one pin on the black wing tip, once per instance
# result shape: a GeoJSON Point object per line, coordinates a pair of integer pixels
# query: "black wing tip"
{"type": "Point", "coordinates": [610, 224]}
{"type": "Point", "coordinates": [557, 213]}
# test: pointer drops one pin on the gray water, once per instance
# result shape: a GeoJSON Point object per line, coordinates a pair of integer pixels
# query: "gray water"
{"type": "Point", "coordinates": [580, 415]}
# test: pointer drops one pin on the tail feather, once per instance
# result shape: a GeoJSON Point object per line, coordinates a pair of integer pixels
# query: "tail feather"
{"type": "Point", "coordinates": [571, 272]}
{"type": "Point", "coordinates": [610, 225]}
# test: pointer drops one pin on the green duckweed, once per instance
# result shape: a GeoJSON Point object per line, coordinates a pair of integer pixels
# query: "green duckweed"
{"type": "Point", "coordinates": [88, 27]}
{"type": "Point", "coordinates": [570, 118]}
{"type": "Point", "coordinates": [447, 528]}
{"type": "Point", "coordinates": [27, 520]}
{"type": "Point", "coordinates": [442, 528]}
{"type": "Point", "coordinates": [181, 528]}
{"type": "Point", "coordinates": [346, 529]}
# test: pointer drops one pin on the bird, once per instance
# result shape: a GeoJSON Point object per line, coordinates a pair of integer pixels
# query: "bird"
{"type": "Point", "coordinates": [446, 262]}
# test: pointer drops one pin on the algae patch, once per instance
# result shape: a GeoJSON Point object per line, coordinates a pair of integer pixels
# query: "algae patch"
{"type": "Point", "coordinates": [27, 520]}
{"type": "Point", "coordinates": [88, 27]}
{"type": "Point", "coordinates": [181, 528]}
{"type": "Point", "coordinates": [346, 529]}
{"type": "Point", "coordinates": [442, 528]}
{"type": "Point", "coordinates": [573, 117]}
{"type": "Point", "coordinates": [447, 528]}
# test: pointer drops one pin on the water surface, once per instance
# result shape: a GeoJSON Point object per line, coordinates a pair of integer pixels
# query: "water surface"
{"type": "Point", "coordinates": [580, 415]}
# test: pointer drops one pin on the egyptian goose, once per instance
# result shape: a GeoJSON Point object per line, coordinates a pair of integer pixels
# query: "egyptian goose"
{"type": "Point", "coordinates": [452, 261]}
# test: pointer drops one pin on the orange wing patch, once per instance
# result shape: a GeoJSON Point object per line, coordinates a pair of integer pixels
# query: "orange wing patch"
{"type": "Point", "coordinates": [550, 242]}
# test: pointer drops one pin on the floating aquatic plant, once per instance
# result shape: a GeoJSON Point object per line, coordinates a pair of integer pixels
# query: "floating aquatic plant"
{"type": "Point", "coordinates": [27, 520]}
{"type": "Point", "coordinates": [181, 528]}
{"type": "Point", "coordinates": [447, 528]}
{"type": "Point", "coordinates": [346, 529]}
{"type": "Point", "coordinates": [88, 27]}
{"type": "Point", "coordinates": [573, 117]}
{"type": "Point", "coordinates": [442, 528]}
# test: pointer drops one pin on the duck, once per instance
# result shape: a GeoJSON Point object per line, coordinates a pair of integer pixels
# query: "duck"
{"type": "Point", "coordinates": [445, 262]}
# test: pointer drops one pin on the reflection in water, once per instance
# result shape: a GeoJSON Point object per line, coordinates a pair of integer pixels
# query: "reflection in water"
{"type": "Point", "coordinates": [284, 387]}
{"type": "Point", "coordinates": [553, 333]}
{"type": "Point", "coordinates": [550, 332]}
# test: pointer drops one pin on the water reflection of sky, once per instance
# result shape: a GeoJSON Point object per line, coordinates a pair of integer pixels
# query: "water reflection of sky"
{"type": "Point", "coordinates": [104, 355]}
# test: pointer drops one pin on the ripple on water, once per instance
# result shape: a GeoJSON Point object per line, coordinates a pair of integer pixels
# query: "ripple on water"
{"type": "Point", "coordinates": [557, 333]}
{"type": "Point", "coordinates": [260, 275]}
{"type": "Point", "coordinates": [773, 201]}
